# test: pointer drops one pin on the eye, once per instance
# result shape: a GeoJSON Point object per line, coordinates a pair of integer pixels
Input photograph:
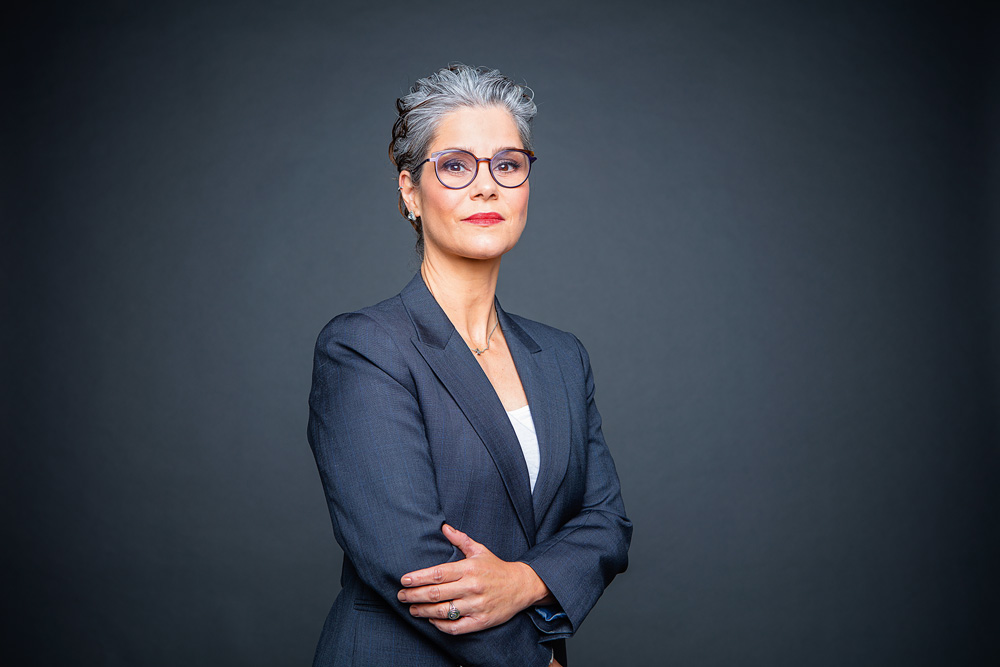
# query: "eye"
{"type": "Point", "coordinates": [454, 165]}
{"type": "Point", "coordinates": [506, 166]}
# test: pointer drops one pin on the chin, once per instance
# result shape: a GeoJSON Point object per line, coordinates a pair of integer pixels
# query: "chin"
{"type": "Point", "coordinates": [483, 254]}
{"type": "Point", "coordinates": [479, 246]}
{"type": "Point", "coordinates": [490, 250]}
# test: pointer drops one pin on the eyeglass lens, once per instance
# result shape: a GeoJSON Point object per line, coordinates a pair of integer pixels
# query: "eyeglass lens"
{"type": "Point", "coordinates": [457, 169]}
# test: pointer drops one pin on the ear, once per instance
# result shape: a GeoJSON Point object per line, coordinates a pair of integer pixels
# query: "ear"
{"type": "Point", "coordinates": [410, 192]}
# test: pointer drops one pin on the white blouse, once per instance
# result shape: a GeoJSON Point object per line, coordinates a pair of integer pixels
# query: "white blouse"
{"type": "Point", "coordinates": [524, 427]}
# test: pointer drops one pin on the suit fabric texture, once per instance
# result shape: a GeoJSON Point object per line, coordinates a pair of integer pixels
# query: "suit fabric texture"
{"type": "Point", "coordinates": [409, 434]}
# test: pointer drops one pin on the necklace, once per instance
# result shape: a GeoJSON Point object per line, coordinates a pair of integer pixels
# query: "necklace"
{"type": "Point", "coordinates": [488, 338]}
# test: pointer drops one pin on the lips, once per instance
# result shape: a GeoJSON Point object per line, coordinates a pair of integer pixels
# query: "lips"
{"type": "Point", "coordinates": [484, 219]}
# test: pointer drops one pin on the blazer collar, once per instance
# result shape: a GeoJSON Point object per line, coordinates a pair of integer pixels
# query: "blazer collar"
{"type": "Point", "coordinates": [545, 389]}
{"type": "Point", "coordinates": [456, 367]}
{"type": "Point", "coordinates": [432, 324]}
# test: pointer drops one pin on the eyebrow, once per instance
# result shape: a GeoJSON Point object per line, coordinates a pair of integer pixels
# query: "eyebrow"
{"type": "Point", "coordinates": [469, 150]}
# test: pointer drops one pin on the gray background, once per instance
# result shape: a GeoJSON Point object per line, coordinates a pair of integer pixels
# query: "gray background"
{"type": "Point", "coordinates": [775, 229]}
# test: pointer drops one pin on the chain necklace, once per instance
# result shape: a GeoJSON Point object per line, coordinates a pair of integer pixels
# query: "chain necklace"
{"type": "Point", "coordinates": [476, 349]}
{"type": "Point", "coordinates": [495, 325]}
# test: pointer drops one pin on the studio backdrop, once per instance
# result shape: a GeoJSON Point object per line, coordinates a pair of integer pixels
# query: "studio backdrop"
{"type": "Point", "coordinates": [773, 225]}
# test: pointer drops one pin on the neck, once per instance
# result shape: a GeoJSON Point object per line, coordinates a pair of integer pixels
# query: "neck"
{"type": "Point", "coordinates": [465, 290]}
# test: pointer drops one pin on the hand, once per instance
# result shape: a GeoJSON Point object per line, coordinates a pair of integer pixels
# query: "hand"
{"type": "Point", "coordinates": [487, 591]}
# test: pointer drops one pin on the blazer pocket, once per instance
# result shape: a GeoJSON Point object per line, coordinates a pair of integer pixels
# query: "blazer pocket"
{"type": "Point", "coordinates": [375, 605]}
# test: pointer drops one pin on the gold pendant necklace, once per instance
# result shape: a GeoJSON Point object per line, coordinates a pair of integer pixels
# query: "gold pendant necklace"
{"type": "Point", "coordinates": [488, 338]}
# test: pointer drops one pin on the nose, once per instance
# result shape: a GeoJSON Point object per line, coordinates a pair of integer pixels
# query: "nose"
{"type": "Point", "coordinates": [483, 184]}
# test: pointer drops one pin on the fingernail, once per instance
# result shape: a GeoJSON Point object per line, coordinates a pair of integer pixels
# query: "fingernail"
{"type": "Point", "coordinates": [401, 596]}
{"type": "Point", "coordinates": [407, 581]}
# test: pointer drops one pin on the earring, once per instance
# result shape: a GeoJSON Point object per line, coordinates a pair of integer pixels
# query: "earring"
{"type": "Point", "coordinates": [410, 216]}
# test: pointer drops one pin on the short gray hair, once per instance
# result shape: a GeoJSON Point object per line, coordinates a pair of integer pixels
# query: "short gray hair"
{"type": "Point", "coordinates": [430, 99]}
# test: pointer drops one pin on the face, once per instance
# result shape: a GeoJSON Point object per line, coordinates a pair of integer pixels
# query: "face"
{"type": "Point", "coordinates": [482, 220]}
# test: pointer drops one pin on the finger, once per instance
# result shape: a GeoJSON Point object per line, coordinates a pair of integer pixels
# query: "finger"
{"type": "Point", "coordinates": [462, 626]}
{"type": "Point", "coordinates": [468, 545]}
{"type": "Point", "coordinates": [439, 574]}
{"type": "Point", "coordinates": [432, 594]}
{"type": "Point", "coordinates": [440, 611]}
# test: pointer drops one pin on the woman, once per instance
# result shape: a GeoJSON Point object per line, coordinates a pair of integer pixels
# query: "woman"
{"type": "Point", "coordinates": [459, 446]}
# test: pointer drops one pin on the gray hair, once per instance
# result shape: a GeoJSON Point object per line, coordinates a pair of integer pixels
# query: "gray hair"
{"type": "Point", "coordinates": [430, 99]}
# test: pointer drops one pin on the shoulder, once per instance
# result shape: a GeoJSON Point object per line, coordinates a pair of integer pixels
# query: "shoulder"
{"type": "Point", "coordinates": [381, 320]}
{"type": "Point", "coordinates": [375, 332]}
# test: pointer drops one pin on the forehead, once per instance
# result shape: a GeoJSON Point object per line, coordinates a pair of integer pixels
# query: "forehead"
{"type": "Point", "coordinates": [483, 130]}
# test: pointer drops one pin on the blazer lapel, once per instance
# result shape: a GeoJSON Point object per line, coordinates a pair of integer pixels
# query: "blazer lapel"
{"type": "Point", "coordinates": [453, 364]}
{"type": "Point", "coordinates": [546, 391]}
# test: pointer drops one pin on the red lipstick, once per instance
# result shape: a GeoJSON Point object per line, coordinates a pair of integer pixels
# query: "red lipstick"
{"type": "Point", "coordinates": [484, 219]}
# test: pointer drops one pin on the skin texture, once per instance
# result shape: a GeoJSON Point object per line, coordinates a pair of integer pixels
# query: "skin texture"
{"type": "Point", "coordinates": [461, 267]}
{"type": "Point", "coordinates": [488, 591]}
{"type": "Point", "coordinates": [461, 259]}
{"type": "Point", "coordinates": [449, 243]}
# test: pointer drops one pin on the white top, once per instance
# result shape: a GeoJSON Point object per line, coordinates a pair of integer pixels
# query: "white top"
{"type": "Point", "coordinates": [524, 427]}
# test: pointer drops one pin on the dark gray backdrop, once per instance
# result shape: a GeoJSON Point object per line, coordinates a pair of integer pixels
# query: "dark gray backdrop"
{"type": "Point", "coordinates": [775, 228]}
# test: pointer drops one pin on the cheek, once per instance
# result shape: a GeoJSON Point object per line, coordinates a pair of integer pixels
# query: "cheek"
{"type": "Point", "coordinates": [520, 204]}
{"type": "Point", "coordinates": [441, 202]}
{"type": "Point", "coordinates": [522, 195]}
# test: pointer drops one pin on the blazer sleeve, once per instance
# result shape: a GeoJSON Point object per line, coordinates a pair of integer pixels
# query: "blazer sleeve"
{"type": "Point", "coordinates": [581, 559]}
{"type": "Point", "coordinates": [367, 435]}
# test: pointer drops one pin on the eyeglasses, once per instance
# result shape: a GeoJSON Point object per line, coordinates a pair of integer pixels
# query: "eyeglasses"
{"type": "Point", "coordinates": [456, 169]}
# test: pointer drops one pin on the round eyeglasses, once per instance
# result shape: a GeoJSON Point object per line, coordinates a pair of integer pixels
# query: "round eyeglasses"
{"type": "Point", "coordinates": [456, 169]}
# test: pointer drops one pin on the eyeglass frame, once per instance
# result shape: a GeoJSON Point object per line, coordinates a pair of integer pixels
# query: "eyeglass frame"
{"type": "Point", "coordinates": [435, 156]}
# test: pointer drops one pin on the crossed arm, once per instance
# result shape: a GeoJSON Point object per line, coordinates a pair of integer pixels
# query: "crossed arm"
{"type": "Point", "coordinates": [487, 590]}
{"type": "Point", "coordinates": [367, 434]}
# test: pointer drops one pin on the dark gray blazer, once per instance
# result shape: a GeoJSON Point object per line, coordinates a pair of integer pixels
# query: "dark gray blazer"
{"type": "Point", "coordinates": [408, 434]}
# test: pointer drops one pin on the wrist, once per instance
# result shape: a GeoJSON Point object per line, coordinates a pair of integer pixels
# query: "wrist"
{"type": "Point", "coordinates": [535, 590]}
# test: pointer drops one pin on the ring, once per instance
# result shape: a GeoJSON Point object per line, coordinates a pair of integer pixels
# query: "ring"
{"type": "Point", "coordinates": [453, 614]}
